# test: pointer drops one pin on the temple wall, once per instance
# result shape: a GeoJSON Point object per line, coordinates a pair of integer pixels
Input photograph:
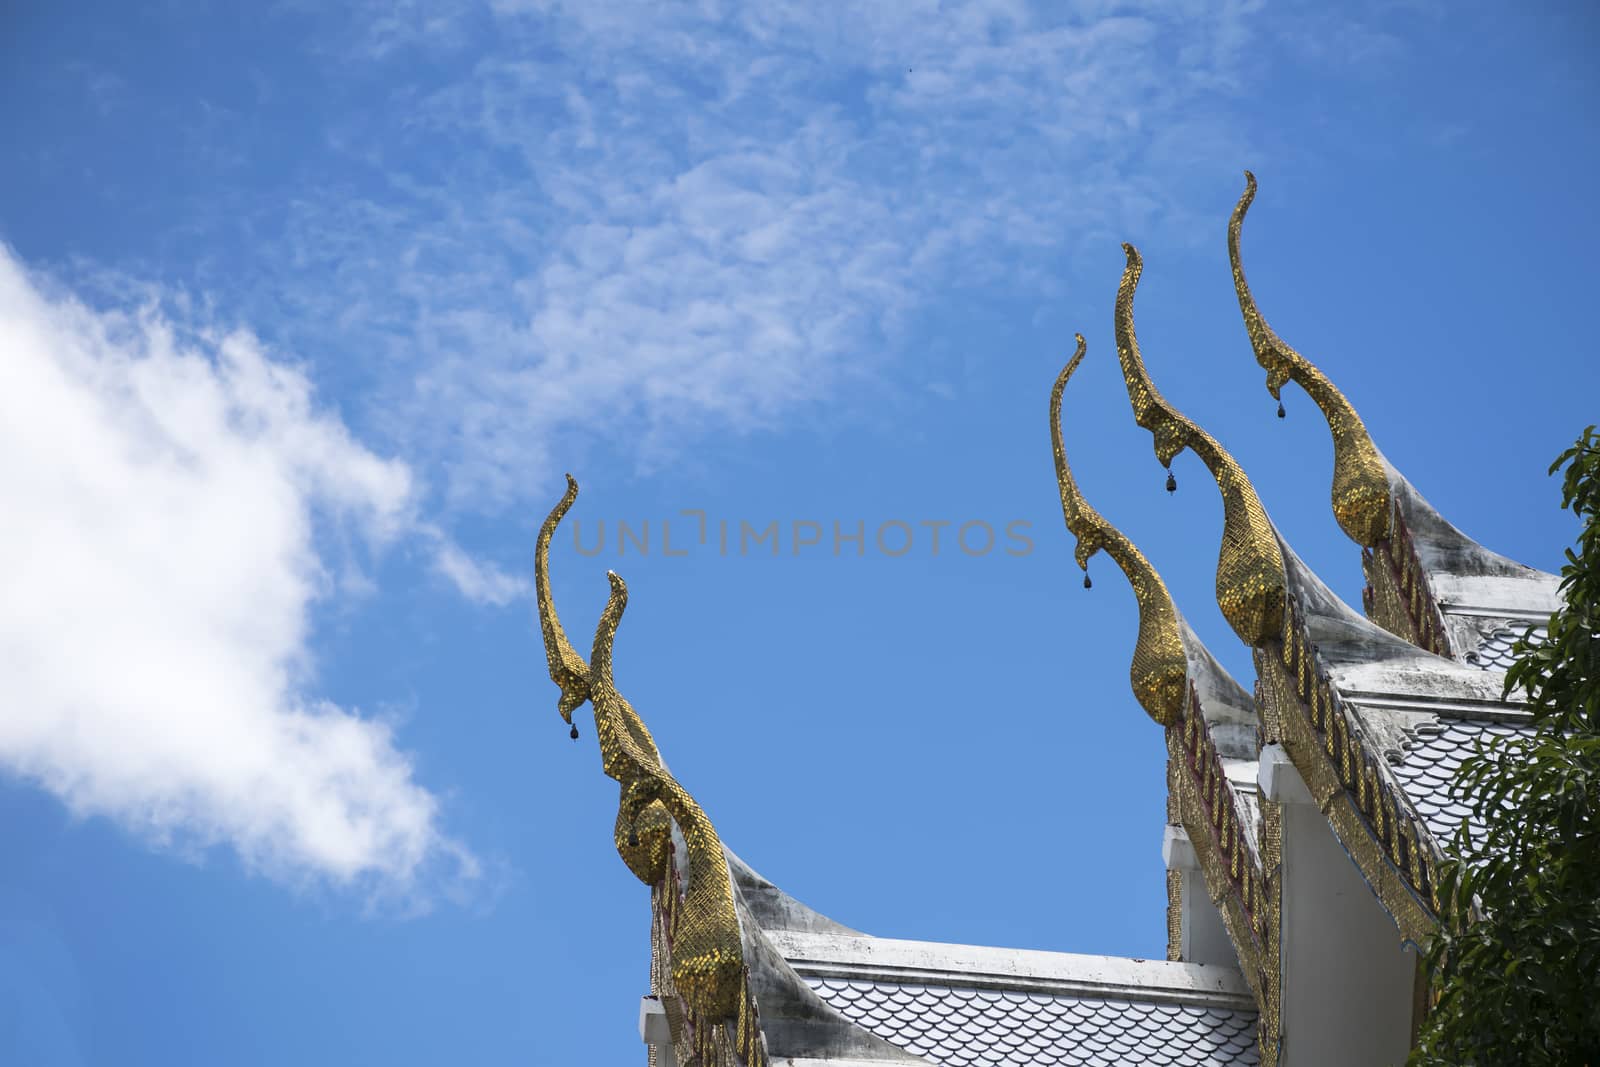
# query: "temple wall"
{"type": "Point", "coordinates": [1348, 980]}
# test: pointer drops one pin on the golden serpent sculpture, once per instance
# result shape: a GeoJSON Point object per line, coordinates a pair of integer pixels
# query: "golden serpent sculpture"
{"type": "Point", "coordinates": [567, 668]}
{"type": "Point", "coordinates": [1250, 577]}
{"type": "Point", "coordinates": [707, 952]}
{"type": "Point", "coordinates": [1360, 478]}
{"type": "Point", "coordinates": [1160, 669]}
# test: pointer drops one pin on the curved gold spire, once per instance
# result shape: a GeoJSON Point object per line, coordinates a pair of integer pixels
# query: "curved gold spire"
{"type": "Point", "coordinates": [1360, 481]}
{"type": "Point", "coordinates": [707, 951]}
{"type": "Point", "coordinates": [567, 668]}
{"type": "Point", "coordinates": [1160, 669]}
{"type": "Point", "coordinates": [1250, 577]}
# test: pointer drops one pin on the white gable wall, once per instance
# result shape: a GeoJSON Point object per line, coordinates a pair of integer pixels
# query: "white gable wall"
{"type": "Point", "coordinates": [1204, 935]}
{"type": "Point", "coordinates": [1348, 981]}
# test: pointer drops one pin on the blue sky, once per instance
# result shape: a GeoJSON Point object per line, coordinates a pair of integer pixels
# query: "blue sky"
{"type": "Point", "coordinates": [305, 313]}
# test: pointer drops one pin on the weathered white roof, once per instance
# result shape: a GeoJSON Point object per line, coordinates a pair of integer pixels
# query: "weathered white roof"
{"type": "Point", "coordinates": [960, 1005]}
{"type": "Point", "coordinates": [1464, 576]}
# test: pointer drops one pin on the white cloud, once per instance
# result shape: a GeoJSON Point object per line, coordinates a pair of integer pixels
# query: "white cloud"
{"type": "Point", "coordinates": [479, 582]}
{"type": "Point", "coordinates": [163, 489]}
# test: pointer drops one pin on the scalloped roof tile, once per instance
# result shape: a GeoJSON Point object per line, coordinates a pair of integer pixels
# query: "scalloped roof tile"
{"type": "Point", "coordinates": [1429, 765]}
{"type": "Point", "coordinates": [957, 1026]}
{"type": "Point", "coordinates": [1494, 654]}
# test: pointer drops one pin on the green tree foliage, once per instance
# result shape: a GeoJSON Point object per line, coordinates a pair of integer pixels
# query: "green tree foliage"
{"type": "Point", "coordinates": [1517, 969]}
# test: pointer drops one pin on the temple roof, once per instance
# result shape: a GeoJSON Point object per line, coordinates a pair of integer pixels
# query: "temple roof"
{"type": "Point", "coordinates": [964, 1005]}
{"type": "Point", "coordinates": [742, 970]}
{"type": "Point", "coordinates": [833, 996]}
{"type": "Point", "coordinates": [1377, 709]}
{"type": "Point", "coordinates": [1349, 694]}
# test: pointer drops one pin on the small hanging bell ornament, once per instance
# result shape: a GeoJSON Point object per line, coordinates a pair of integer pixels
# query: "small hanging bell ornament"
{"type": "Point", "coordinates": [1280, 409]}
{"type": "Point", "coordinates": [1087, 584]}
{"type": "Point", "coordinates": [574, 734]}
{"type": "Point", "coordinates": [1172, 482]}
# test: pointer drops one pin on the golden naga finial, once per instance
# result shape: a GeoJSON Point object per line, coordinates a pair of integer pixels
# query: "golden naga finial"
{"type": "Point", "coordinates": [567, 668]}
{"type": "Point", "coordinates": [1360, 482]}
{"type": "Point", "coordinates": [707, 952]}
{"type": "Point", "coordinates": [1250, 577]}
{"type": "Point", "coordinates": [1160, 669]}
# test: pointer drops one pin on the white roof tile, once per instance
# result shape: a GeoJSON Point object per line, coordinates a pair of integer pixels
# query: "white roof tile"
{"type": "Point", "coordinates": [965, 1027]}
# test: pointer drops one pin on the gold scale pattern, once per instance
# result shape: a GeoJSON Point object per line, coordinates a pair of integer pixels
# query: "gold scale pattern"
{"type": "Point", "coordinates": [705, 946]}
{"type": "Point", "coordinates": [695, 1042]}
{"type": "Point", "coordinates": [1199, 797]}
{"type": "Point", "coordinates": [1360, 478]}
{"type": "Point", "coordinates": [1250, 583]}
{"type": "Point", "coordinates": [1159, 669]}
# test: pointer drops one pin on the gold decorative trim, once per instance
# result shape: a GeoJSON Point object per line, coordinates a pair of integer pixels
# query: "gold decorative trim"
{"type": "Point", "coordinates": [1250, 582]}
{"type": "Point", "coordinates": [1159, 666]}
{"type": "Point", "coordinates": [1368, 812]}
{"type": "Point", "coordinates": [1174, 915]}
{"type": "Point", "coordinates": [1397, 595]}
{"type": "Point", "coordinates": [706, 947]}
{"type": "Point", "coordinates": [1228, 828]}
{"type": "Point", "coordinates": [1361, 501]}
{"type": "Point", "coordinates": [1244, 885]}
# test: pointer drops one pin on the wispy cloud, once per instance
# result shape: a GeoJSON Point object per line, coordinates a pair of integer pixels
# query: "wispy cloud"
{"type": "Point", "coordinates": [479, 581]}
{"type": "Point", "coordinates": [674, 218]}
{"type": "Point", "coordinates": [164, 488]}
